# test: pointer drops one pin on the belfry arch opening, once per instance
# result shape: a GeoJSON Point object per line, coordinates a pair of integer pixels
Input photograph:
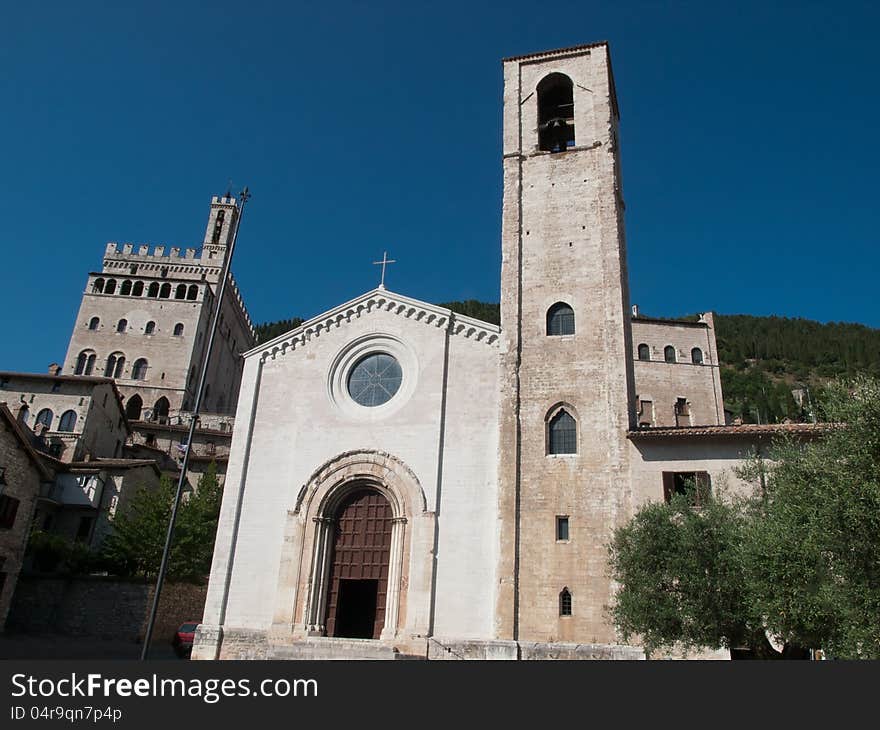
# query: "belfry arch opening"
{"type": "Point", "coordinates": [359, 565]}
{"type": "Point", "coordinates": [555, 113]}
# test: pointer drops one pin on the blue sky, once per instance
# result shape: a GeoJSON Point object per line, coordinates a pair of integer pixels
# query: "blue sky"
{"type": "Point", "coordinates": [747, 135]}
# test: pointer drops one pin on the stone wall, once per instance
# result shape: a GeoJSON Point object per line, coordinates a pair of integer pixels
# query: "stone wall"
{"type": "Point", "coordinates": [101, 607]}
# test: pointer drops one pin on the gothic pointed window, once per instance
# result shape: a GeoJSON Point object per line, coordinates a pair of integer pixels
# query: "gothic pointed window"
{"type": "Point", "coordinates": [555, 113]}
{"type": "Point", "coordinates": [68, 421]}
{"type": "Point", "coordinates": [697, 356]}
{"type": "Point", "coordinates": [94, 322]}
{"type": "Point", "coordinates": [160, 410]}
{"type": "Point", "coordinates": [150, 328]}
{"type": "Point", "coordinates": [565, 602]}
{"type": "Point", "coordinates": [133, 408]}
{"type": "Point", "coordinates": [669, 353]}
{"type": "Point", "coordinates": [138, 289]}
{"type": "Point", "coordinates": [180, 291]}
{"type": "Point", "coordinates": [45, 417]}
{"type": "Point", "coordinates": [120, 364]}
{"type": "Point", "coordinates": [560, 319]}
{"type": "Point", "coordinates": [562, 433]}
{"type": "Point", "coordinates": [139, 369]}
{"type": "Point", "coordinates": [644, 352]}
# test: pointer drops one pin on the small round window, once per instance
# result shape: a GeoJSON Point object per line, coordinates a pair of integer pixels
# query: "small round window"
{"type": "Point", "coordinates": [374, 379]}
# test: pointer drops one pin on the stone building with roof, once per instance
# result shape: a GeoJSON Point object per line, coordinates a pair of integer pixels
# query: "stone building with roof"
{"type": "Point", "coordinates": [407, 481]}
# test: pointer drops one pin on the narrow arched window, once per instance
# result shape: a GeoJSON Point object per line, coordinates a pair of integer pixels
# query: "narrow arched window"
{"type": "Point", "coordinates": [180, 292]}
{"type": "Point", "coordinates": [153, 291]}
{"type": "Point", "coordinates": [122, 325]}
{"type": "Point", "coordinates": [115, 363]}
{"type": "Point", "coordinates": [68, 421]}
{"type": "Point", "coordinates": [90, 364]}
{"type": "Point", "coordinates": [133, 408]}
{"type": "Point", "coordinates": [80, 363]}
{"type": "Point", "coordinates": [697, 356]}
{"type": "Point", "coordinates": [150, 328]}
{"type": "Point", "coordinates": [111, 287]}
{"type": "Point", "coordinates": [125, 288]}
{"type": "Point", "coordinates": [139, 369]}
{"type": "Point", "coordinates": [98, 286]}
{"type": "Point", "coordinates": [560, 319]}
{"type": "Point", "coordinates": [562, 436]}
{"type": "Point", "coordinates": [565, 602]}
{"type": "Point", "coordinates": [178, 329]}
{"type": "Point", "coordinates": [192, 293]}
{"type": "Point", "coordinates": [160, 410]}
{"type": "Point", "coordinates": [94, 322]}
{"type": "Point", "coordinates": [555, 113]}
{"type": "Point", "coordinates": [138, 289]}
{"type": "Point", "coordinates": [644, 352]}
{"type": "Point", "coordinates": [669, 353]}
{"type": "Point", "coordinates": [218, 227]}
{"type": "Point", "coordinates": [165, 292]}
{"type": "Point", "coordinates": [45, 417]}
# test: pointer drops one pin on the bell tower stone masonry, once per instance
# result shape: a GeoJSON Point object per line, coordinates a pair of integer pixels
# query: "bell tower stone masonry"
{"type": "Point", "coordinates": [567, 388]}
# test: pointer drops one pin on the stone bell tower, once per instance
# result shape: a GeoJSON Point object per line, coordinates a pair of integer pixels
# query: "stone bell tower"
{"type": "Point", "coordinates": [567, 374]}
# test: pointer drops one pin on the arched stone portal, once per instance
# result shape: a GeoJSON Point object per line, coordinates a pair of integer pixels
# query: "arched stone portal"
{"type": "Point", "coordinates": [358, 580]}
{"type": "Point", "coordinates": [317, 556]}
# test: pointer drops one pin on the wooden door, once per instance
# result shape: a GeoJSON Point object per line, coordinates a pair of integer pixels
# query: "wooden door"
{"type": "Point", "coordinates": [361, 553]}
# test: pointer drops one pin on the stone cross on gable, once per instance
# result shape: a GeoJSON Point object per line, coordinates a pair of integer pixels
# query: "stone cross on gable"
{"type": "Point", "coordinates": [384, 262]}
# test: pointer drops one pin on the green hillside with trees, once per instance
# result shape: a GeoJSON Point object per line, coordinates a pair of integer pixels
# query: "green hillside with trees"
{"type": "Point", "coordinates": [763, 359]}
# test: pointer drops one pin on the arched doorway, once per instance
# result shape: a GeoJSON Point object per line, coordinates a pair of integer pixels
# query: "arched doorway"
{"type": "Point", "coordinates": [133, 408]}
{"type": "Point", "coordinates": [359, 566]}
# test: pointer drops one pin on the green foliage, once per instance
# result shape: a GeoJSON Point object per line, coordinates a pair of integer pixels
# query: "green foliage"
{"type": "Point", "coordinates": [138, 538]}
{"type": "Point", "coordinates": [682, 576]}
{"type": "Point", "coordinates": [484, 311]}
{"type": "Point", "coordinates": [798, 560]}
{"type": "Point", "coordinates": [53, 553]}
{"type": "Point", "coordinates": [813, 549]}
{"type": "Point", "coordinates": [269, 330]}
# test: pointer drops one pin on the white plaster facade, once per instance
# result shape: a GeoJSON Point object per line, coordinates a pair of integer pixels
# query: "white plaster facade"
{"type": "Point", "coordinates": [461, 452]}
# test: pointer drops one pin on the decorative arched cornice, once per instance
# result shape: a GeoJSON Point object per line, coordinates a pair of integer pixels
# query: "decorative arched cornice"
{"type": "Point", "coordinates": [375, 301]}
{"type": "Point", "coordinates": [334, 479]}
{"type": "Point", "coordinates": [560, 406]}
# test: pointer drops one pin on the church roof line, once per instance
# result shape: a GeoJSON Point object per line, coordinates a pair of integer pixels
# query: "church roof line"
{"type": "Point", "coordinates": [376, 299]}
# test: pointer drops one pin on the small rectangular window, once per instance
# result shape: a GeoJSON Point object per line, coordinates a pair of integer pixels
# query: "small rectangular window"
{"type": "Point", "coordinates": [562, 528]}
{"type": "Point", "coordinates": [697, 484]}
{"type": "Point", "coordinates": [85, 526]}
{"type": "Point", "coordinates": [8, 510]}
{"type": "Point", "coordinates": [646, 413]}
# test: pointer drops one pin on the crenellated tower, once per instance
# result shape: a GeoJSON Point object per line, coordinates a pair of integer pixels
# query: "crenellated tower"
{"type": "Point", "coordinates": [144, 320]}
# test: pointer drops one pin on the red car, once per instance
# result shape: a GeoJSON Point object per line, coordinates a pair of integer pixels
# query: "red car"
{"type": "Point", "coordinates": [183, 639]}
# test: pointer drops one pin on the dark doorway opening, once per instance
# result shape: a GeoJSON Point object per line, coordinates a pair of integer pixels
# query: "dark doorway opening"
{"type": "Point", "coordinates": [356, 608]}
{"type": "Point", "coordinates": [358, 580]}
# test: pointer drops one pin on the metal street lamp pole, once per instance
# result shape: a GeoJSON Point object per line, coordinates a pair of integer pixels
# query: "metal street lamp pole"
{"type": "Point", "coordinates": [163, 567]}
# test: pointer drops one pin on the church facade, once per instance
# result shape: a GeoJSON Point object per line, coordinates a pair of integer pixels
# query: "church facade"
{"type": "Point", "coordinates": [407, 481]}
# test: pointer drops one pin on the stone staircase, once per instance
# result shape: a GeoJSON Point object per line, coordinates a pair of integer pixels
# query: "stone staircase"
{"type": "Point", "coordinates": [333, 648]}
